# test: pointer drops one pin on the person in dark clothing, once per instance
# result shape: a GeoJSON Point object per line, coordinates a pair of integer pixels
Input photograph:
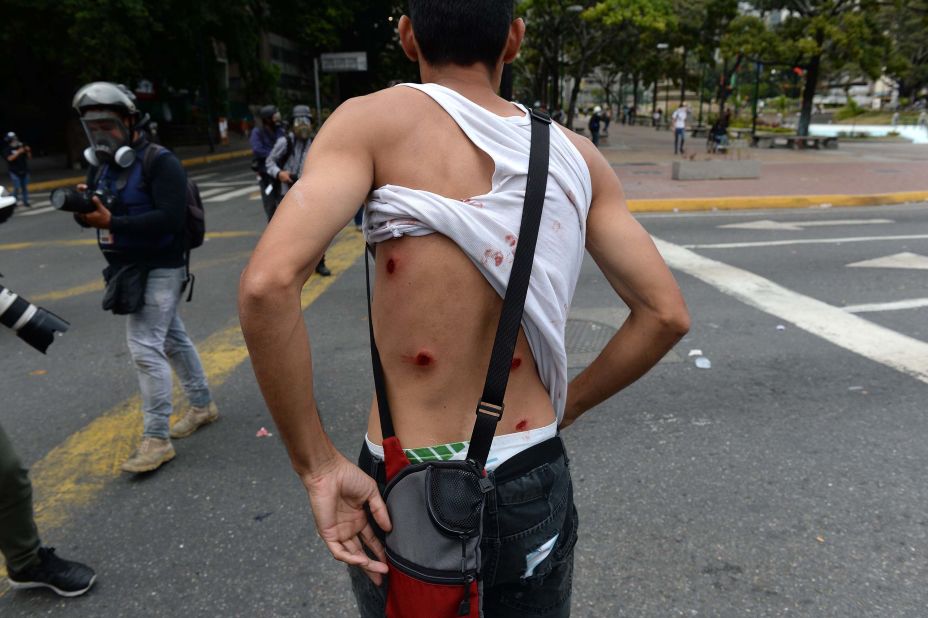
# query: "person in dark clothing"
{"type": "Point", "coordinates": [285, 163]}
{"type": "Point", "coordinates": [594, 125]}
{"type": "Point", "coordinates": [28, 563]}
{"type": "Point", "coordinates": [141, 234]}
{"type": "Point", "coordinates": [263, 137]}
{"type": "Point", "coordinates": [17, 155]}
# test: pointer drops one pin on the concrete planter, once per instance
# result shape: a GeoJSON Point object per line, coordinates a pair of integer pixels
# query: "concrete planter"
{"type": "Point", "coordinates": [715, 169]}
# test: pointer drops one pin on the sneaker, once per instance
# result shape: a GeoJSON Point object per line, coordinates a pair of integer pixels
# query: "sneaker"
{"type": "Point", "coordinates": [67, 578]}
{"type": "Point", "coordinates": [150, 454]}
{"type": "Point", "coordinates": [323, 270]}
{"type": "Point", "coordinates": [194, 418]}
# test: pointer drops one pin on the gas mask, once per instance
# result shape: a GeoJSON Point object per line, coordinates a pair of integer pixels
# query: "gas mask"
{"type": "Point", "coordinates": [109, 139]}
{"type": "Point", "coordinates": [302, 127]}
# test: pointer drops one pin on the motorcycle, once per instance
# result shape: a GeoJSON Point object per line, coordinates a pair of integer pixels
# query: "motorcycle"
{"type": "Point", "coordinates": [7, 204]}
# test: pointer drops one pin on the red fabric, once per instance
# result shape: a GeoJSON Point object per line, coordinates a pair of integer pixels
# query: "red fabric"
{"type": "Point", "coordinates": [411, 598]}
{"type": "Point", "coordinates": [394, 457]}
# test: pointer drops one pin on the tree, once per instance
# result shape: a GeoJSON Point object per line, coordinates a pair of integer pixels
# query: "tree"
{"type": "Point", "coordinates": [906, 21]}
{"type": "Point", "coordinates": [843, 32]}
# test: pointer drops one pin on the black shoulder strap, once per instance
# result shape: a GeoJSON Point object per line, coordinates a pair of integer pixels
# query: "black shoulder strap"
{"type": "Point", "coordinates": [490, 407]}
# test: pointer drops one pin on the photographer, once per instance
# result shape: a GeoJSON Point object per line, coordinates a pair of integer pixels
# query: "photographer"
{"type": "Point", "coordinates": [17, 155]}
{"type": "Point", "coordinates": [140, 230]}
{"type": "Point", "coordinates": [263, 137]}
{"type": "Point", "coordinates": [285, 162]}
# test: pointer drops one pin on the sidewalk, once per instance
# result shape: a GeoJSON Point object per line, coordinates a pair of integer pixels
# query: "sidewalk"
{"type": "Point", "coordinates": [857, 173]}
{"type": "Point", "coordinates": [47, 173]}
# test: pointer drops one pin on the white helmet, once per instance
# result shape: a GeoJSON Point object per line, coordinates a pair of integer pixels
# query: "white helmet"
{"type": "Point", "coordinates": [597, 110]}
{"type": "Point", "coordinates": [102, 106]}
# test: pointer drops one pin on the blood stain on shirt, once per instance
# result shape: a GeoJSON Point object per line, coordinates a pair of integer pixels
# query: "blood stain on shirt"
{"type": "Point", "coordinates": [556, 226]}
{"type": "Point", "coordinates": [512, 240]}
{"type": "Point", "coordinates": [473, 203]}
{"type": "Point", "coordinates": [494, 255]}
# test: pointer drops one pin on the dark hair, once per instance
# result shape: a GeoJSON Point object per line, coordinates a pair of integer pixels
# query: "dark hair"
{"type": "Point", "coordinates": [461, 32]}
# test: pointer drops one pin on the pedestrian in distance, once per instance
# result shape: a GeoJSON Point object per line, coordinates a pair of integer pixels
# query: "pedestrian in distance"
{"type": "Point", "coordinates": [444, 248]}
{"type": "Point", "coordinates": [656, 116]}
{"type": "Point", "coordinates": [679, 119]}
{"type": "Point", "coordinates": [285, 162]}
{"type": "Point", "coordinates": [264, 135]}
{"type": "Point", "coordinates": [17, 155]}
{"type": "Point", "coordinates": [141, 232]}
{"type": "Point", "coordinates": [594, 124]}
{"type": "Point", "coordinates": [29, 564]}
{"type": "Point", "coordinates": [607, 119]}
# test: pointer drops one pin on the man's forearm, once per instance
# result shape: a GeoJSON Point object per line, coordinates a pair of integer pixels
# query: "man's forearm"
{"type": "Point", "coordinates": [272, 322]}
{"type": "Point", "coordinates": [641, 342]}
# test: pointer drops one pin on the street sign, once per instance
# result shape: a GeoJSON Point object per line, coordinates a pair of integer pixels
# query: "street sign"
{"type": "Point", "coordinates": [344, 62]}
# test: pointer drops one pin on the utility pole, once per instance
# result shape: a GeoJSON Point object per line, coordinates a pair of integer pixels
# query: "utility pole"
{"type": "Point", "coordinates": [757, 69]}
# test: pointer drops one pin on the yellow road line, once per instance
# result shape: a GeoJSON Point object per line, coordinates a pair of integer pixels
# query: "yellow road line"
{"type": "Point", "coordinates": [83, 242]}
{"type": "Point", "coordinates": [74, 473]}
{"type": "Point", "coordinates": [749, 202]}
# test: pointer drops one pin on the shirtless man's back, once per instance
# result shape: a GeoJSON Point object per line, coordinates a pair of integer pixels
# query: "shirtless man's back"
{"type": "Point", "coordinates": [434, 312]}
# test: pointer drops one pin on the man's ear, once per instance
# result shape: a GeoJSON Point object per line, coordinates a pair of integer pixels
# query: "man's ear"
{"type": "Point", "coordinates": [408, 39]}
{"type": "Point", "coordinates": [514, 40]}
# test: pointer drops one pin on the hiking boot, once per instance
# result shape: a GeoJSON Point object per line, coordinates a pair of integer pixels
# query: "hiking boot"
{"type": "Point", "coordinates": [150, 454]}
{"type": "Point", "coordinates": [194, 418]}
{"type": "Point", "coordinates": [67, 578]}
{"type": "Point", "coordinates": [323, 270]}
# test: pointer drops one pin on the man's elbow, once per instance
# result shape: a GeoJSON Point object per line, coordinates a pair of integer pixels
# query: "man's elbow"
{"type": "Point", "coordinates": [260, 289]}
{"type": "Point", "coordinates": [675, 320]}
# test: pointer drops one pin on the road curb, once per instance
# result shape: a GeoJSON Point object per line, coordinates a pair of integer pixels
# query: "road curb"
{"type": "Point", "coordinates": [773, 201]}
{"type": "Point", "coordinates": [49, 185]}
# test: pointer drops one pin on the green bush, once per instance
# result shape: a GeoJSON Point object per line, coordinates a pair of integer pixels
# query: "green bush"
{"type": "Point", "coordinates": [851, 110]}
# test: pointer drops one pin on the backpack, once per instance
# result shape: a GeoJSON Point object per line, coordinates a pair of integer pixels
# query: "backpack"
{"type": "Point", "coordinates": [195, 224]}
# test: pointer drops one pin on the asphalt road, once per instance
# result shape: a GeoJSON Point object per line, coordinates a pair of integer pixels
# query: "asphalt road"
{"type": "Point", "coordinates": [787, 479]}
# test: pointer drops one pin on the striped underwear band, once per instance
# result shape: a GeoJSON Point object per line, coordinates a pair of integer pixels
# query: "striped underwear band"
{"type": "Point", "coordinates": [503, 447]}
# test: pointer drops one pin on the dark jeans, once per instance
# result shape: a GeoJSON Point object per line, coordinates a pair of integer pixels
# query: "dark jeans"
{"type": "Point", "coordinates": [271, 201]}
{"type": "Point", "coordinates": [19, 539]}
{"type": "Point", "coordinates": [679, 136]}
{"type": "Point", "coordinates": [532, 503]}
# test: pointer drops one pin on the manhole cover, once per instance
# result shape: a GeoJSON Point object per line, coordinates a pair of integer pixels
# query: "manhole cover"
{"type": "Point", "coordinates": [586, 337]}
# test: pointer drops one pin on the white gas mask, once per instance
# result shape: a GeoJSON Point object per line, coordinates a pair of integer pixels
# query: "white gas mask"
{"type": "Point", "coordinates": [109, 139]}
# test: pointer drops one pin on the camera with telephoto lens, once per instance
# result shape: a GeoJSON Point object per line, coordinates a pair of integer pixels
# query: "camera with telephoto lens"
{"type": "Point", "coordinates": [34, 325]}
{"type": "Point", "coordinates": [81, 202]}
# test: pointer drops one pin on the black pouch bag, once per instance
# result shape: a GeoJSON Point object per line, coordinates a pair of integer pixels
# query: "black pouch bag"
{"type": "Point", "coordinates": [437, 507]}
{"type": "Point", "coordinates": [125, 288]}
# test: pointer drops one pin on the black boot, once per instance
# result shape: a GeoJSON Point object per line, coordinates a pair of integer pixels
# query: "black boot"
{"type": "Point", "coordinates": [321, 268]}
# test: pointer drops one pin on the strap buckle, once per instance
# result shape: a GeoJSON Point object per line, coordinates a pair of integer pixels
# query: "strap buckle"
{"type": "Point", "coordinates": [490, 409]}
{"type": "Point", "coordinates": [542, 116]}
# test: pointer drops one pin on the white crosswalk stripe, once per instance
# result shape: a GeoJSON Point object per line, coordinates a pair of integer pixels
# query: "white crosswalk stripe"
{"type": "Point", "coordinates": [225, 197]}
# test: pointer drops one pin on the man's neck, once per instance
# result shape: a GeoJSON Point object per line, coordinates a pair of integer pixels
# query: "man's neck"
{"type": "Point", "coordinates": [474, 80]}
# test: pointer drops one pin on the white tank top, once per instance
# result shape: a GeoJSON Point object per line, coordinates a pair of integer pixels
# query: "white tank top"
{"type": "Point", "coordinates": [486, 227]}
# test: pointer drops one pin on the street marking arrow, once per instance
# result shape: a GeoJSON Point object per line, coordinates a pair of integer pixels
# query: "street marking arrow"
{"type": "Point", "coordinates": [899, 260]}
{"type": "Point", "coordinates": [797, 226]}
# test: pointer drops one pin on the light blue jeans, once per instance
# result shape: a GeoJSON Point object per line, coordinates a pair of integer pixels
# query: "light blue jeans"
{"type": "Point", "coordinates": [158, 341]}
{"type": "Point", "coordinates": [20, 187]}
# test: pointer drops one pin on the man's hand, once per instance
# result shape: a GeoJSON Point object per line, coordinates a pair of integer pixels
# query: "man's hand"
{"type": "Point", "coordinates": [100, 218]}
{"type": "Point", "coordinates": [338, 495]}
{"type": "Point", "coordinates": [284, 176]}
